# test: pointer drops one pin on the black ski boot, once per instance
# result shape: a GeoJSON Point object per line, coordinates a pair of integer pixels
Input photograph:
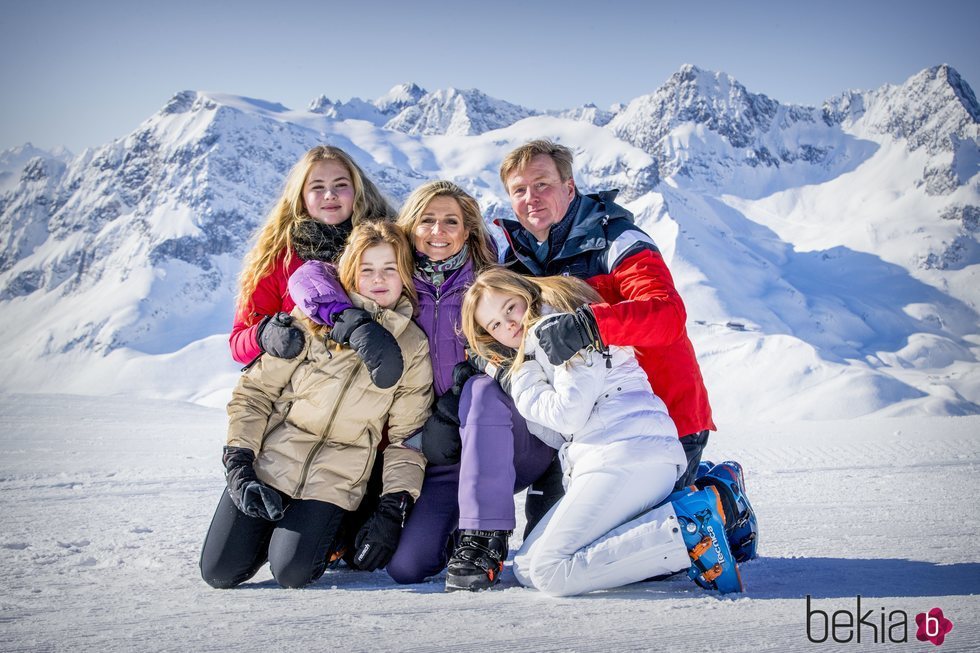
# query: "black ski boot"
{"type": "Point", "coordinates": [478, 560]}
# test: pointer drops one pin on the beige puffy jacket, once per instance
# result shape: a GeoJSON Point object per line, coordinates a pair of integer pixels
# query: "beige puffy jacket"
{"type": "Point", "coordinates": [315, 421]}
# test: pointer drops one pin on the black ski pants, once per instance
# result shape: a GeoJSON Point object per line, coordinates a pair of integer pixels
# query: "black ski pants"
{"type": "Point", "coordinates": [694, 445]}
{"type": "Point", "coordinates": [297, 546]}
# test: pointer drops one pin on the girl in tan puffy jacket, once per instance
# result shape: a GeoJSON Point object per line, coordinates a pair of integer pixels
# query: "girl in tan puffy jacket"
{"type": "Point", "coordinates": [304, 432]}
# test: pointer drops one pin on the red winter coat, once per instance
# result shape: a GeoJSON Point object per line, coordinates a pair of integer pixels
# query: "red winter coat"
{"type": "Point", "coordinates": [270, 297]}
{"type": "Point", "coordinates": [642, 308]}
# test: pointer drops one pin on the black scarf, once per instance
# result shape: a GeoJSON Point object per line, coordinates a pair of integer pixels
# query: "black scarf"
{"type": "Point", "coordinates": [315, 241]}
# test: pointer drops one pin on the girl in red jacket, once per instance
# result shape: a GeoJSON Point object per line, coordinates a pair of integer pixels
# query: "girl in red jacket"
{"type": "Point", "coordinates": [324, 196]}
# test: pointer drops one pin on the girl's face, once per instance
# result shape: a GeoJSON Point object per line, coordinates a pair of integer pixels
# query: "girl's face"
{"type": "Point", "coordinates": [501, 316]}
{"type": "Point", "coordinates": [329, 192]}
{"type": "Point", "coordinates": [377, 275]}
{"type": "Point", "coordinates": [439, 232]}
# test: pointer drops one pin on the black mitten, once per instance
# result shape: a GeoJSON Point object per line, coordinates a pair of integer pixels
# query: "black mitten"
{"type": "Point", "coordinates": [439, 439]}
{"type": "Point", "coordinates": [375, 345]}
{"type": "Point", "coordinates": [496, 371]}
{"type": "Point", "coordinates": [377, 540]}
{"type": "Point", "coordinates": [564, 335]}
{"type": "Point", "coordinates": [277, 336]}
{"type": "Point", "coordinates": [250, 495]}
{"type": "Point", "coordinates": [462, 373]}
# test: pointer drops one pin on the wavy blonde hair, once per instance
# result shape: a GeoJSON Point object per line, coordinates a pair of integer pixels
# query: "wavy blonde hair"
{"type": "Point", "coordinates": [479, 240]}
{"type": "Point", "coordinates": [563, 294]}
{"type": "Point", "coordinates": [274, 238]}
{"type": "Point", "coordinates": [367, 235]}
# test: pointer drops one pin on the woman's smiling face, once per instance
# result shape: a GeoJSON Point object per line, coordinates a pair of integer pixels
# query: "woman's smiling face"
{"type": "Point", "coordinates": [439, 232]}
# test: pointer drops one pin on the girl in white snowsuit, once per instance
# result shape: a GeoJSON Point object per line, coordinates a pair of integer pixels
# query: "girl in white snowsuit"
{"type": "Point", "coordinates": [618, 446]}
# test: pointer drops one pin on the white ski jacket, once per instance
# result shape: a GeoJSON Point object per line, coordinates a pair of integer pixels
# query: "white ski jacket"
{"type": "Point", "coordinates": [590, 404]}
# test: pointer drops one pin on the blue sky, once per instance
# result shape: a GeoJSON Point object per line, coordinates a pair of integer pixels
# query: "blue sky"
{"type": "Point", "coordinates": [82, 73]}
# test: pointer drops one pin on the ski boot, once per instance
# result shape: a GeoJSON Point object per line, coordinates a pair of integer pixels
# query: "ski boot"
{"type": "Point", "coordinates": [701, 519]}
{"type": "Point", "coordinates": [703, 468]}
{"type": "Point", "coordinates": [478, 560]}
{"type": "Point", "coordinates": [742, 528]}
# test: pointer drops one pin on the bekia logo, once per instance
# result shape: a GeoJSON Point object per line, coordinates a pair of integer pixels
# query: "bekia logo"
{"type": "Point", "coordinates": [933, 626]}
{"type": "Point", "coordinates": [877, 626]}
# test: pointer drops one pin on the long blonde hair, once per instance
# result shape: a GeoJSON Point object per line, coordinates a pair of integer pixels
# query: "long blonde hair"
{"type": "Point", "coordinates": [563, 294]}
{"type": "Point", "coordinates": [478, 240]}
{"type": "Point", "coordinates": [274, 237]}
{"type": "Point", "coordinates": [367, 235]}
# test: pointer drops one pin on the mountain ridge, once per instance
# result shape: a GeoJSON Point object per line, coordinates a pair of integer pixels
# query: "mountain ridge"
{"type": "Point", "coordinates": [138, 242]}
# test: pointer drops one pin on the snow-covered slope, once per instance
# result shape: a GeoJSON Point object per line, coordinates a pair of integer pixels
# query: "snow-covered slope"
{"type": "Point", "coordinates": [107, 502]}
{"type": "Point", "coordinates": [828, 256]}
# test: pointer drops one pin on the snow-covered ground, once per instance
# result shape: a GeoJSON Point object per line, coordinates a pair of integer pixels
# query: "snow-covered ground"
{"type": "Point", "coordinates": [106, 500]}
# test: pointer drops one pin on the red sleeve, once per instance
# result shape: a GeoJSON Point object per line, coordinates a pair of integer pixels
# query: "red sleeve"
{"type": "Point", "coordinates": [271, 296]}
{"type": "Point", "coordinates": [650, 313]}
{"type": "Point", "coordinates": [243, 342]}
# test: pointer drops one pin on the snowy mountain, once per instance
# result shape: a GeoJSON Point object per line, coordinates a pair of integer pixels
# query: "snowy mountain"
{"type": "Point", "coordinates": [828, 255]}
{"type": "Point", "coordinates": [411, 109]}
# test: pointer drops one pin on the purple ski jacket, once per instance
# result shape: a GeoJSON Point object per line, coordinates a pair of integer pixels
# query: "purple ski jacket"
{"type": "Point", "coordinates": [318, 294]}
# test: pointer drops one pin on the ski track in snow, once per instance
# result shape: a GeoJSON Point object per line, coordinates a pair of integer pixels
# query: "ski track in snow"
{"type": "Point", "coordinates": [107, 501]}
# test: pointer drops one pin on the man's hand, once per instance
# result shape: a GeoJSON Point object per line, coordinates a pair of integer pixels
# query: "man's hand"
{"type": "Point", "coordinates": [564, 335]}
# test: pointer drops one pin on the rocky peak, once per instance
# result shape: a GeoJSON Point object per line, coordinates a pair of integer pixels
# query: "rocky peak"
{"type": "Point", "coordinates": [458, 113]}
{"type": "Point", "coordinates": [399, 97]}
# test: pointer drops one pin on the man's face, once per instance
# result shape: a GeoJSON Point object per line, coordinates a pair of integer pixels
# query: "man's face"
{"type": "Point", "coordinates": [538, 195]}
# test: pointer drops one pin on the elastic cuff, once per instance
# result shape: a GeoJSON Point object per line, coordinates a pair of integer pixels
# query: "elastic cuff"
{"type": "Point", "coordinates": [487, 524]}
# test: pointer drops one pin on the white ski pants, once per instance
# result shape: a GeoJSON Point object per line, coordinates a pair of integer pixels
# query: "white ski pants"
{"type": "Point", "coordinates": [603, 533]}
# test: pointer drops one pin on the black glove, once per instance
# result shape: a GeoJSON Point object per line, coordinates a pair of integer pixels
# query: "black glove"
{"type": "Point", "coordinates": [375, 345]}
{"type": "Point", "coordinates": [378, 538]}
{"type": "Point", "coordinates": [564, 335]}
{"type": "Point", "coordinates": [249, 494]}
{"type": "Point", "coordinates": [439, 439]}
{"type": "Point", "coordinates": [497, 371]}
{"type": "Point", "coordinates": [462, 373]}
{"type": "Point", "coordinates": [277, 336]}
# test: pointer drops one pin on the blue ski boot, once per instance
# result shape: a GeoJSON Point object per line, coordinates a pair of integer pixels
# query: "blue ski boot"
{"type": "Point", "coordinates": [701, 519]}
{"type": "Point", "coordinates": [742, 528]}
{"type": "Point", "coordinates": [703, 468]}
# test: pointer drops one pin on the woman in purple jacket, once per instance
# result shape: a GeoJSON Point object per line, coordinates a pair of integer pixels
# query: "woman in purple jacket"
{"type": "Point", "coordinates": [479, 450]}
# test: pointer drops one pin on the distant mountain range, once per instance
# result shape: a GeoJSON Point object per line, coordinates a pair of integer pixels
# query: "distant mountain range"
{"type": "Point", "coordinates": [828, 256]}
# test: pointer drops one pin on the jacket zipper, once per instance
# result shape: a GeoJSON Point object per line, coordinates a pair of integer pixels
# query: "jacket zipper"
{"type": "Point", "coordinates": [323, 434]}
{"type": "Point", "coordinates": [368, 463]}
{"type": "Point", "coordinates": [285, 414]}
{"type": "Point", "coordinates": [435, 330]}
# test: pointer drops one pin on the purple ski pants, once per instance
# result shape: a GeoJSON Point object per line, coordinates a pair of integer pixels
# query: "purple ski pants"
{"type": "Point", "coordinates": [499, 458]}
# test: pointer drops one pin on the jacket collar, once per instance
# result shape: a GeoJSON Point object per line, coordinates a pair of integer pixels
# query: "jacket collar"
{"type": "Point", "coordinates": [586, 233]}
{"type": "Point", "coordinates": [394, 319]}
